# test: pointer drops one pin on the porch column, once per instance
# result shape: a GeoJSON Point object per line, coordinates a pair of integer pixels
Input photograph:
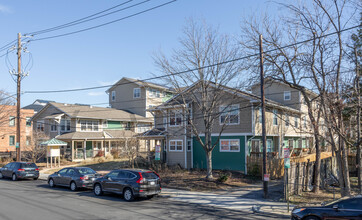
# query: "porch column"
{"type": "Point", "coordinates": [102, 146]}
{"type": "Point", "coordinates": [72, 150]}
{"type": "Point", "coordinates": [84, 150]}
{"type": "Point", "coordinates": [109, 147]}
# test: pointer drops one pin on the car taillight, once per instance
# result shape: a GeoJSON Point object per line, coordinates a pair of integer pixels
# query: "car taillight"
{"type": "Point", "coordinates": [83, 177]}
{"type": "Point", "coordinates": [37, 169]}
{"type": "Point", "coordinates": [21, 170]}
{"type": "Point", "coordinates": [140, 180]}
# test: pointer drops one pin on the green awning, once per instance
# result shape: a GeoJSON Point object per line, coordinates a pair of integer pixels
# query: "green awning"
{"type": "Point", "coordinates": [54, 142]}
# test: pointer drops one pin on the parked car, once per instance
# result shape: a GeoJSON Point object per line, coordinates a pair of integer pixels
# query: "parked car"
{"type": "Point", "coordinates": [73, 177]}
{"type": "Point", "coordinates": [20, 170]}
{"type": "Point", "coordinates": [130, 183]}
{"type": "Point", "coordinates": [345, 208]}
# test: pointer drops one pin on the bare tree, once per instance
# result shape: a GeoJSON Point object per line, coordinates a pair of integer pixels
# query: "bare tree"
{"type": "Point", "coordinates": [314, 57]}
{"type": "Point", "coordinates": [202, 54]}
{"type": "Point", "coordinates": [35, 151]}
{"type": "Point", "coordinates": [6, 100]}
{"type": "Point", "coordinates": [130, 148]}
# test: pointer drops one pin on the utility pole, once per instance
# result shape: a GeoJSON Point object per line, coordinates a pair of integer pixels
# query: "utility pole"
{"type": "Point", "coordinates": [265, 178]}
{"type": "Point", "coordinates": [18, 149]}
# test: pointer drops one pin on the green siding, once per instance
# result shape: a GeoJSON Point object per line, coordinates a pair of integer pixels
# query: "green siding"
{"type": "Point", "coordinates": [220, 160]}
{"type": "Point", "coordinates": [115, 125]}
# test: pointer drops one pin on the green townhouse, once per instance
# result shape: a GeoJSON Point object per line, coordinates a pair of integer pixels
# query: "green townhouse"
{"type": "Point", "coordinates": [179, 126]}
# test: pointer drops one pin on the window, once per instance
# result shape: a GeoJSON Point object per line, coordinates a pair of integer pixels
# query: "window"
{"type": "Point", "coordinates": [255, 146]}
{"type": "Point", "coordinates": [286, 120]}
{"type": "Point", "coordinates": [290, 143]}
{"type": "Point", "coordinates": [28, 140]}
{"type": "Point", "coordinates": [229, 114]}
{"type": "Point", "coordinates": [305, 121]}
{"type": "Point", "coordinates": [260, 116]}
{"type": "Point", "coordinates": [154, 93]}
{"type": "Point", "coordinates": [11, 121]}
{"type": "Point", "coordinates": [232, 145]}
{"type": "Point", "coordinates": [105, 124]}
{"type": "Point", "coordinates": [287, 95]}
{"type": "Point", "coordinates": [275, 117]}
{"type": "Point", "coordinates": [189, 143]}
{"type": "Point", "coordinates": [89, 125]}
{"type": "Point", "coordinates": [12, 140]}
{"type": "Point", "coordinates": [300, 145]}
{"type": "Point", "coordinates": [137, 93]}
{"type": "Point", "coordinates": [28, 122]}
{"type": "Point", "coordinates": [269, 146]}
{"type": "Point", "coordinates": [64, 125]}
{"type": "Point", "coordinates": [164, 121]}
{"type": "Point", "coordinates": [40, 126]}
{"type": "Point", "coordinates": [53, 126]}
{"type": "Point", "coordinates": [296, 121]}
{"type": "Point", "coordinates": [142, 127]}
{"type": "Point", "coordinates": [113, 95]}
{"type": "Point", "coordinates": [175, 118]}
{"type": "Point", "coordinates": [176, 145]}
{"type": "Point", "coordinates": [63, 171]}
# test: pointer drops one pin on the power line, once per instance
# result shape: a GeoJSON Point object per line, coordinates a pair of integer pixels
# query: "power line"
{"type": "Point", "coordinates": [107, 23]}
{"type": "Point", "coordinates": [83, 20]}
{"type": "Point", "coordinates": [195, 69]}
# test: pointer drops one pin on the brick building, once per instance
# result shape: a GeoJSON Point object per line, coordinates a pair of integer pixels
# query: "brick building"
{"type": "Point", "coordinates": [8, 128]}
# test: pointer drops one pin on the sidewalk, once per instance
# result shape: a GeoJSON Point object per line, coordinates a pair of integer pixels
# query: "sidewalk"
{"type": "Point", "coordinates": [244, 199]}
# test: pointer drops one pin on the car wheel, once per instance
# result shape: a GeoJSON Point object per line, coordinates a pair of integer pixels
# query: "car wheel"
{"type": "Point", "coordinates": [311, 218]}
{"type": "Point", "coordinates": [98, 190]}
{"type": "Point", "coordinates": [51, 183]}
{"type": "Point", "coordinates": [35, 178]}
{"type": "Point", "coordinates": [1, 176]}
{"type": "Point", "coordinates": [128, 194]}
{"type": "Point", "coordinates": [14, 177]}
{"type": "Point", "coordinates": [150, 197]}
{"type": "Point", "coordinates": [73, 186]}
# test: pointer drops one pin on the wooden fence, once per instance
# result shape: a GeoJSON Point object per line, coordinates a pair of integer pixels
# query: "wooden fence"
{"type": "Point", "coordinates": [275, 167]}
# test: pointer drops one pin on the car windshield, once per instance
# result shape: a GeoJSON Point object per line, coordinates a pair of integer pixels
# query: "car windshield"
{"type": "Point", "coordinates": [149, 175]}
{"type": "Point", "coordinates": [334, 202]}
{"type": "Point", "coordinates": [28, 165]}
{"type": "Point", "coordinates": [85, 171]}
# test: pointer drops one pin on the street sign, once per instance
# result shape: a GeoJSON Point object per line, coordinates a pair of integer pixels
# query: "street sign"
{"type": "Point", "coordinates": [266, 177]}
{"type": "Point", "coordinates": [157, 152]}
{"type": "Point", "coordinates": [17, 145]}
{"type": "Point", "coordinates": [286, 153]}
{"type": "Point", "coordinates": [287, 163]}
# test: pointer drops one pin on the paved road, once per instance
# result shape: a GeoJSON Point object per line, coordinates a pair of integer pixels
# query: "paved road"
{"type": "Point", "coordinates": [29, 200]}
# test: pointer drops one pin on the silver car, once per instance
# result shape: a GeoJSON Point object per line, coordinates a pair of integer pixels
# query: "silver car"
{"type": "Point", "coordinates": [73, 177]}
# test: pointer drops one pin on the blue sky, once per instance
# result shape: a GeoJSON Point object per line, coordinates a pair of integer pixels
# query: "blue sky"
{"type": "Point", "coordinates": [104, 55]}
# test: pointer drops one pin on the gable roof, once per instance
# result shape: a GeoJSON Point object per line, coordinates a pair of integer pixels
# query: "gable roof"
{"type": "Point", "coordinates": [91, 112]}
{"type": "Point", "coordinates": [37, 105]}
{"type": "Point", "coordinates": [140, 83]}
{"type": "Point", "coordinates": [249, 96]}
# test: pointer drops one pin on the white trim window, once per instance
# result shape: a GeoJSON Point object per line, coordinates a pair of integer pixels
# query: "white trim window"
{"type": "Point", "coordinates": [175, 118]}
{"type": "Point", "coordinates": [113, 96]}
{"type": "Point", "coordinates": [189, 145]}
{"type": "Point", "coordinates": [229, 145]}
{"type": "Point", "coordinates": [176, 145]}
{"type": "Point", "coordinates": [275, 117]}
{"type": "Point", "coordinates": [255, 146]}
{"type": "Point", "coordinates": [136, 93]}
{"type": "Point", "coordinates": [83, 125]}
{"type": "Point", "coordinates": [287, 95]}
{"type": "Point", "coordinates": [64, 125]}
{"type": "Point", "coordinates": [287, 120]}
{"type": "Point", "coordinates": [89, 125]}
{"type": "Point", "coordinates": [269, 145]}
{"type": "Point", "coordinates": [229, 114]}
{"type": "Point", "coordinates": [290, 143]}
{"type": "Point", "coordinates": [296, 121]}
{"type": "Point", "coordinates": [40, 125]}
{"type": "Point", "coordinates": [53, 126]}
{"type": "Point", "coordinates": [143, 127]}
{"type": "Point", "coordinates": [305, 121]}
{"type": "Point", "coordinates": [11, 121]}
{"type": "Point", "coordinates": [105, 124]}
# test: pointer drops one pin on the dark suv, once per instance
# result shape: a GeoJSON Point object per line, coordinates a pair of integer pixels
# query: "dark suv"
{"type": "Point", "coordinates": [20, 170]}
{"type": "Point", "coordinates": [130, 183]}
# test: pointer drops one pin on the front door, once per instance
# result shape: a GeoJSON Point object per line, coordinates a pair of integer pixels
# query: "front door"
{"type": "Point", "coordinates": [89, 149]}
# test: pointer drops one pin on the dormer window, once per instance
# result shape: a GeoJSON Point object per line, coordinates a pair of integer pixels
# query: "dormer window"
{"type": "Point", "coordinates": [113, 95]}
{"type": "Point", "coordinates": [136, 93]}
{"type": "Point", "coordinates": [287, 95]}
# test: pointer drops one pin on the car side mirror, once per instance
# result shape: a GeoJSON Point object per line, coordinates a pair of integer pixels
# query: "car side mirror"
{"type": "Point", "coordinates": [56, 173]}
{"type": "Point", "coordinates": [335, 207]}
{"type": "Point", "coordinates": [109, 178]}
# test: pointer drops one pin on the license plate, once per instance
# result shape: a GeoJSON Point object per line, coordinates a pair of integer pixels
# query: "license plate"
{"type": "Point", "coordinates": [152, 183]}
{"type": "Point", "coordinates": [29, 174]}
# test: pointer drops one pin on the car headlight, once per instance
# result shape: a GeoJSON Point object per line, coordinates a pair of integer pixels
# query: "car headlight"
{"type": "Point", "coordinates": [298, 210]}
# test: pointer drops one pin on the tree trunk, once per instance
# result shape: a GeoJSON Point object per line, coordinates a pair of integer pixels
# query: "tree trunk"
{"type": "Point", "coordinates": [209, 175]}
{"type": "Point", "coordinates": [317, 165]}
{"type": "Point", "coordinates": [344, 160]}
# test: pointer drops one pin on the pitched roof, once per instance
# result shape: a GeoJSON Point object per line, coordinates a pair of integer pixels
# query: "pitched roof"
{"type": "Point", "coordinates": [141, 84]}
{"type": "Point", "coordinates": [54, 142]}
{"type": "Point", "coordinates": [37, 105]}
{"type": "Point", "coordinates": [91, 112]}
{"type": "Point", "coordinates": [106, 134]}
